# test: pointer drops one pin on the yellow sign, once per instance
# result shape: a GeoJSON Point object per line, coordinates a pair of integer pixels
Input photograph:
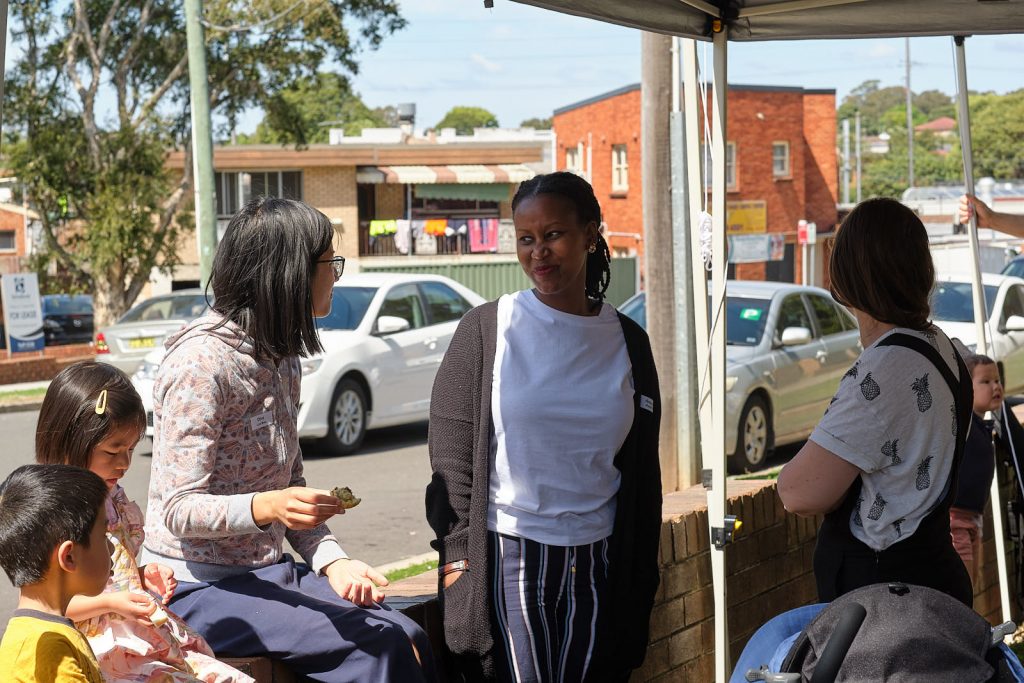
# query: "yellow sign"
{"type": "Point", "coordinates": [746, 218]}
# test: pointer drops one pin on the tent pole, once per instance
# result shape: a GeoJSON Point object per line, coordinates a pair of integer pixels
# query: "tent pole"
{"type": "Point", "coordinates": [720, 262]}
{"type": "Point", "coordinates": [687, 432]}
{"type": "Point", "coordinates": [696, 192]}
{"type": "Point", "coordinates": [964, 118]}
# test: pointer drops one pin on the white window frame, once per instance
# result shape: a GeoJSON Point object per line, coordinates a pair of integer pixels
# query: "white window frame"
{"type": "Point", "coordinates": [785, 172]}
{"type": "Point", "coordinates": [572, 159]}
{"type": "Point", "coordinates": [620, 168]}
{"type": "Point", "coordinates": [731, 175]}
{"type": "Point", "coordinates": [14, 242]}
{"type": "Point", "coordinates": [243, 180]}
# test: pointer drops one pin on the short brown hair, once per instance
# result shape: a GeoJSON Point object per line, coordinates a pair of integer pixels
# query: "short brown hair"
{"type": "Point", "coordinates": [69, 424]}
{"type": "Point", "coordinates": [881, 264]}
{"type": "Point", "coordinates": [975, 359]}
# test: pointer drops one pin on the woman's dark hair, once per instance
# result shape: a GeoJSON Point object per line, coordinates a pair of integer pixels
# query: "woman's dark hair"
{"type": "Point", "coordinates": [263, 274]}
{"type": "Point", "coordinates": [70, 420]}
{"type": "Point", "coordinates": [881, 264]}
{"type": "Point", "coordinates": [581, 194]}
{"type": "Point", "coordinates": [41, 506]}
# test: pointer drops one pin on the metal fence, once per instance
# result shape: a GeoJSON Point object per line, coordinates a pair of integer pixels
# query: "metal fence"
{"type": "Point", "coordinates": [492, 278]}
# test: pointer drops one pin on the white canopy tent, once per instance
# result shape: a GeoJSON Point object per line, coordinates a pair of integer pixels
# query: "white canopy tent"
{"type": "Point", "coordinates": [758, 20]}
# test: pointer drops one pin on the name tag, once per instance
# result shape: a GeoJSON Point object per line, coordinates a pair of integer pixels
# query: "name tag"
{"type": "Point", "coordinates": [262, 420]}
{"type": "Point", "coordinates": [647, 403]}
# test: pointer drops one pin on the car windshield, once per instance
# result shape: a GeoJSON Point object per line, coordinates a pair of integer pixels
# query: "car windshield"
{"type": "Point", "coordinates": [953, 302]}
{"type": "Point", "coordinates": [745, 320]}
{"type": "Point", "coordinates": [347, 308]}
{"type": "Point", "coordinates": [178, 307]}
{"type": "Point", "coordinates": [78, 304]}
{"type": "Point", "coordinates": [1014, 268]}
{"type": "Point", "coordinates": [746, 317]}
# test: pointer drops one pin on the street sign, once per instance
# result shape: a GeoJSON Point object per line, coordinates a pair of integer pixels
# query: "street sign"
{"type": "Point", "coordinates": [23, 315]}
{"type": "Point", "coordinates": [806, 233]}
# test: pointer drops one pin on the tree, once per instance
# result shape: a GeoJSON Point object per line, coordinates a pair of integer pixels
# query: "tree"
{"type": "Point", "coordinates": [465, 119]}
{"type": "Point", "coordinates": [99, 92]}
{"type": "Point", "coordinates": [304, 112]}
{"type": "Point", "coordinates": [997, 122]}
{"type": "Point", "coordinates": [539, 124]}
{"type": "Point", "coordinates": [872, 102]}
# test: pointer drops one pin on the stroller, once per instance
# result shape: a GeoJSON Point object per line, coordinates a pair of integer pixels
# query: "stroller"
{"type": "Point", "coordinates": [883, 632]}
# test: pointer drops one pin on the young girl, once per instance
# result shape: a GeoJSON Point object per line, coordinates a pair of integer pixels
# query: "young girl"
{"type": "Point", "coordinates": [227, 486]}
{"type": "Point", "coordinates": [92, 417]}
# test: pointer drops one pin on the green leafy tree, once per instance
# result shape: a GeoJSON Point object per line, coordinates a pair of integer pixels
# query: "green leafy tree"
{"type": "Point", "coordinates": [997, 124]}
{"type": "Point", "coordinates": [98, 92]}
{"type": "Point", "coordinates": [539, 124]}
{"type": "Point", "coordinates": [304, 112]}
{"type": "Point", "coordinates": [465, 119]}
{"type": "Point", "coordinates": [872, 102]}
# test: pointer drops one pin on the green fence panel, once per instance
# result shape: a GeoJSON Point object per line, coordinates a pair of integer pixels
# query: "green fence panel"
{"type": "Point", "coordinates": [491, 279]}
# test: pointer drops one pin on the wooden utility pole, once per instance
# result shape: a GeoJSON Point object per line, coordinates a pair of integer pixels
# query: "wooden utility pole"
{"type": "Point", "coordinates": [656, 103]}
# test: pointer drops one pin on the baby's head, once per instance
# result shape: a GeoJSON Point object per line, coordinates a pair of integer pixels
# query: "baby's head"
{"type": "Point", "coordinates": [988, 388]}
{"type": "Point", "coordinates": [91, 417]}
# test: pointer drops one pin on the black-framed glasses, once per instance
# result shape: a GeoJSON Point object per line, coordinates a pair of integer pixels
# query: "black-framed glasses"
{"type": "Point", "coordinates": [337, 265]}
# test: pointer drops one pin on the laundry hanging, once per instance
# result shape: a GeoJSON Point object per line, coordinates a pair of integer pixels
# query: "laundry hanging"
{"type": "Point", "coordinates": [403, 241]}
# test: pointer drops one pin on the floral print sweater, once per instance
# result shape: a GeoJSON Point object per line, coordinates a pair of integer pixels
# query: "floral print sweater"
{"type": "Point", "coordinates": [224, 430]}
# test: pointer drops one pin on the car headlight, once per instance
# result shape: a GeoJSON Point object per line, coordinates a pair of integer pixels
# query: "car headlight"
{"type": "Point", "coordinates": [147, 371]}
{"type": "Point", "coordinates": [730, 382]}
{"type": "Point", "coordinates": [311, 365]}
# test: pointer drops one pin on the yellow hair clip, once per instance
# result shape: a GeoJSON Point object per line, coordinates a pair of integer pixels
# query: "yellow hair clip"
{"type": "Point", "coordinates": [101, 403]}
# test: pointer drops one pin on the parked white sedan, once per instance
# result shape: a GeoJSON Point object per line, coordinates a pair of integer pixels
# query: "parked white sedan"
{"type": "Point", "coordinates": [953, 312]}
{"type": "Point", "coordinates": [383, 343]}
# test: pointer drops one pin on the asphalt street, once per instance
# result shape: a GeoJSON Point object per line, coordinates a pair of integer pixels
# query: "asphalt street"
{"type": "Point", "coordinates": [390, 474]}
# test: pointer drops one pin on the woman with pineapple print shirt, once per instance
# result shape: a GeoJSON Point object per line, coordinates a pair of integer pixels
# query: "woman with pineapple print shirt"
{"type": "Point", "coordinates": [882, 464]}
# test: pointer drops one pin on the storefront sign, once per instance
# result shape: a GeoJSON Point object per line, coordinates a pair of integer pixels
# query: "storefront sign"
{"type": "Point", "coordinates": [746, 218]}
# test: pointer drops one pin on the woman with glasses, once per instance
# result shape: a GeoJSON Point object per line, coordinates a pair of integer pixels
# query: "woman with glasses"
{"type": "Point", "coordinates": [227, 487]}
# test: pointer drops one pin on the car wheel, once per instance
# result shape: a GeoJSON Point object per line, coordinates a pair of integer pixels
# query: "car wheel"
{"type": "Point", "coordinates": [753, 436]}
{"type": "Point", "coordinates": [346, 420]}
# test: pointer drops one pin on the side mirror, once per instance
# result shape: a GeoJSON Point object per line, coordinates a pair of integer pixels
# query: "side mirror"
{"type": "Point", "coordinates": [796, 336]}
{"type": "Point", "coordinates": [389, 324]}
{"type": "Point", "coordinates": [1015, 323]}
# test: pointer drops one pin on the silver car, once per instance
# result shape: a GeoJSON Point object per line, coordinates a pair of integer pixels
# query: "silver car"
{"type": "Point", "coordinates": [787, 348]}
{"type": "Point", "coordinates": [144, 327]}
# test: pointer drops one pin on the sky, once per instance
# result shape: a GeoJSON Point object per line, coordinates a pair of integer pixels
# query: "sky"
{"type": "Point", "coordinates": [521, 62]}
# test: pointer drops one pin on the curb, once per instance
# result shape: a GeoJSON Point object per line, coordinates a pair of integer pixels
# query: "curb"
{"type": "Point", "coordinates": [407, 562]}
{"type": "Point", "coordinates": [21, 407]}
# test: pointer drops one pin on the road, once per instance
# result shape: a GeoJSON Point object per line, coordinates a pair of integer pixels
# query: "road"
{"type": "Point", "coordinates": [390, 474]}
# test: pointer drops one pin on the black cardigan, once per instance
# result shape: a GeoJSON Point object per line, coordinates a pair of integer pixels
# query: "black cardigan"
{"type": "Point", "coordinates": [457, 500]}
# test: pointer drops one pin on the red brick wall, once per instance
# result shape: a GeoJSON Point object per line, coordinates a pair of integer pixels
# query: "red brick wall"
{"type": "Point", "coordinates": [31, 367]}
{"type": "Point", "coordinates": [10, 262]}
{"type": "Point", "coordinates": [757, 117]}
{"type": "Point", "coordinates": [612, 121]}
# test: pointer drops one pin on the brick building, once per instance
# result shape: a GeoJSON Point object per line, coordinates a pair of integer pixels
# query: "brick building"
{"type": "Point", "coordinates": [14, 238]}
{"type": "Point", "coordinates": [781, 158]}
{"type": "Point", "coordinates": [383, 175]}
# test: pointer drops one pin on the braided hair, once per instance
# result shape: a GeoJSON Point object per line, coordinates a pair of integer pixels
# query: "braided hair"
{"type": "Point", "coordinates": [581, 194]}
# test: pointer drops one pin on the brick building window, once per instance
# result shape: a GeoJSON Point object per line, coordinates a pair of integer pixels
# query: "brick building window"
{"type": "Point", "coordinates": [235, 189]}
{"type": "Point", "coordinates": [572, 160]}
{"type": "Point", "coordinates": [8, 241]}
{"type": "Point", "coordinates": [780, 159]}
{"type": "Point", "coordinates": [730, 165]}
{"type": "Point", "coordinates": [620, 169]}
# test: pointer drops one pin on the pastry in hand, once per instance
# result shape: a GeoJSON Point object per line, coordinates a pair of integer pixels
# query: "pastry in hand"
{"type": "Point", "coordinates": [344, 494]}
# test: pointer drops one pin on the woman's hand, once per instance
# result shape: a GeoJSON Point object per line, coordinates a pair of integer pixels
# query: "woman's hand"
{"type": "Point", "coordinates": [452, 577]}
{"type": "Point", "coordinates": [356, 581]}
{"type": "Point", "coordinates": [298, 507]}
{"type": "Point", "coordinates": [970, 204]}
{"type": "Point", "coordinates": [160, 579]}
{"type": "Point", "coordinates": [130, 605]}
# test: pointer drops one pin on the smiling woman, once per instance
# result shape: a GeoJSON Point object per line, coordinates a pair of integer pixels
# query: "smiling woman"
{"type": "Point", "coordinates": [567, 478]}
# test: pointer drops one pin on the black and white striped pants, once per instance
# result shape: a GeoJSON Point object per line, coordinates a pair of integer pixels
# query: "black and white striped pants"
{"type": "Point", "coordinates": [547, 604]}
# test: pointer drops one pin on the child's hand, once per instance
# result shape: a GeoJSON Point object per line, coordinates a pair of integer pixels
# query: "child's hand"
{"type": "Point", "coordinates": [160, 579]}
{"type": "Point", "coordinates": [131, 605]}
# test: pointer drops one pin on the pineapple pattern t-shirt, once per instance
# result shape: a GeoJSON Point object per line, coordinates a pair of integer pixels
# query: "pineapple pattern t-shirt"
{"type": "Point", "coordinates": [894, 418]}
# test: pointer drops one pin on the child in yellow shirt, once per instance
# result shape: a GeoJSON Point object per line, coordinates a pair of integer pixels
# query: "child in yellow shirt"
{"type": "Point", "coordinates": [53, 546]}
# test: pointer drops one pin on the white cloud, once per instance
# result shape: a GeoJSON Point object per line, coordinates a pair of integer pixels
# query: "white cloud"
{"type": "Point", "coordinates": [484, 63]}
{"type": "Point", "coordinates": [883, 51]}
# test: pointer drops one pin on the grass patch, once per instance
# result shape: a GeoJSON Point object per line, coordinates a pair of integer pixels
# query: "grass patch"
{"type": "Point", "coordinates": [774, 474]}
{"type": "Point", "coordinates": [412, 570]}
{"type": "Point", "coordinates": [18, 394]}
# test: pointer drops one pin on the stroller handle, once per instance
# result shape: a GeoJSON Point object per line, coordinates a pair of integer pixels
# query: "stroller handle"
{"type": "Point", "coordinates": [827, 668]}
